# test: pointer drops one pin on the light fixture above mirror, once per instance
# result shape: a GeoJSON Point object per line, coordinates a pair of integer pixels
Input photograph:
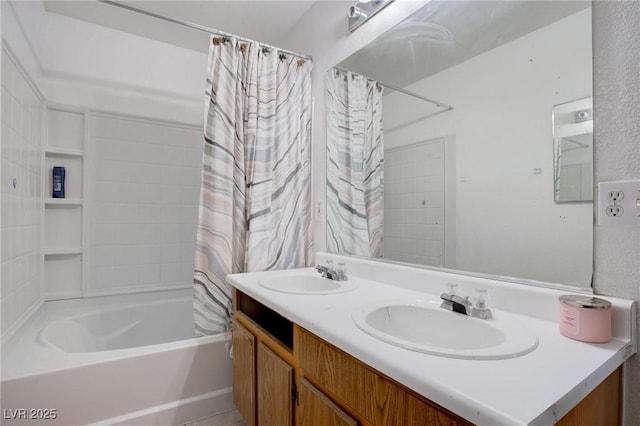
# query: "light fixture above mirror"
{"type": "Point", "coordinates": [364, 10]}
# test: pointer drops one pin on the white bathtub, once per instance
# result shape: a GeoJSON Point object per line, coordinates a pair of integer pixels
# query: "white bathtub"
{"type": "Point", "coordinates": [114, 360]}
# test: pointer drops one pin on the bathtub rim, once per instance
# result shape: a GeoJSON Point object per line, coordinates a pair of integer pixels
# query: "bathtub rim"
{"type": "Point", "coordinates": [45, 359]}
{"type": "Point", "coordinates": [42, 340]}
{"type": "Point", "coordinates": [119, 354]}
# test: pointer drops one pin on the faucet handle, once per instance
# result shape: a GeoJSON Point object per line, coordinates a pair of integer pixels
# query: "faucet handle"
{"type": "Point", "coordinates": [479, 298]}
{"type": "Point", "coordinates": [479, 301]}
{"type": "Point", "coordinates": [449, 291]}
{"type": "Point", "coordinates": [452, 289]}
{"type": "Point", "coordinates": [341, 270]}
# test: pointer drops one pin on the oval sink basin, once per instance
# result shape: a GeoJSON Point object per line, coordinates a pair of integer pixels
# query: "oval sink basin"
{"type": "Point", "coordinates": [306, 284]}
{"type": "Point", "coordinates": [423, 326]}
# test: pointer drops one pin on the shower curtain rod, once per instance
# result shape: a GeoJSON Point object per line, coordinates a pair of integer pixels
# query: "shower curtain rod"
{"type": "Point", "coordinates": [193, 25]}
{"type": "Point", "coordinates": [446, 107]}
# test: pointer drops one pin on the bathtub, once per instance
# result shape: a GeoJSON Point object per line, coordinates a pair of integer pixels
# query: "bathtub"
{"type": "Point", "coordinates": [125, 360]}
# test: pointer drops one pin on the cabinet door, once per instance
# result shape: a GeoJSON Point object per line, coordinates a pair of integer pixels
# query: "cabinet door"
{"type": "Point", "coordinates": [244, 373]}
{"type": "Point", "coordinates": [316, 409]}
{"type": "Point", "coordinates": [275, 382]}
{"type": "Point", "coordinates": [372, 397]}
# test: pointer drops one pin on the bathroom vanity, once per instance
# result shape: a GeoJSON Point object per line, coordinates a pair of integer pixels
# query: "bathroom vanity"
{"type": "Point", "coordinates": [300, 359]}
{"type": "Point", "coordinates": [269, 393]}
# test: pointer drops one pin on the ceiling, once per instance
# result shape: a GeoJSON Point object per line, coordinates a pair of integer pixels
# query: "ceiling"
{"type": "Point", "coordinates": [266, 21]}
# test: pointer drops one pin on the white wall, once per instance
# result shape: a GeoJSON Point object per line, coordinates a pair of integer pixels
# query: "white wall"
{"type": "Point", "coordinates": [87, 65]}
{"type": "Point", "coordinates": [14, 38]}
{"type": "Point", "coordinates": [616, 103]}
{"type": "Point", "coordinates": [502, 125]}
{"type": "Point", "coordinates": [21, 156]}
{"type": "Point", "coordinates": [142, 192]}
{"type": "Point", "coordinates": [83, 65]}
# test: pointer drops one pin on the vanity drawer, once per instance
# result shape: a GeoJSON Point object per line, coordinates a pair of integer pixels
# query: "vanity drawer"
{"type": "Point", "coordinates": [369, 395]}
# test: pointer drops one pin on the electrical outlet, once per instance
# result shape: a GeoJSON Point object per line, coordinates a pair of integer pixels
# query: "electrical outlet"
{"type": "Point", "coordinates": [614, 211]}
{"type": "Point", "coordinates": [619, 202]}
{"type": "Point", "coordinates": [616, 196]}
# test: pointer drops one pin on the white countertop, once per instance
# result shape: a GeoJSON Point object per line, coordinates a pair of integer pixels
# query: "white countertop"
{"type": "Point", "coordinates": [534, 389]}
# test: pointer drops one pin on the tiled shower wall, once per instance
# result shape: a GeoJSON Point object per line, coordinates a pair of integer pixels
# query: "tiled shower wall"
{"type": "Point", "coordinates": [414, 228]}
{"type": "Point", "coordinates": [143, 207]}
{"type": "Point", "coordinates": [21, 156]}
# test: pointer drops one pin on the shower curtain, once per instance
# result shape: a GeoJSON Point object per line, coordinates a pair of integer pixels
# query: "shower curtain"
{"type": "Point", "coordinates": [355, 156]}
{"type": "Point", "coordinates": [255, 198]}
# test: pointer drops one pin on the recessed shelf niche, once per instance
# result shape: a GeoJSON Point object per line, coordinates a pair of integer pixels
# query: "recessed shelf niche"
{"type": "Point", "coordinates": [64, 217]}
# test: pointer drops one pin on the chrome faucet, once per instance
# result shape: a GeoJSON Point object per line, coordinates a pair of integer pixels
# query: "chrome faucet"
{"type": "Point", "coordinates": [337, 274]}
{"type": "Point", "coordinates": [476, 307]}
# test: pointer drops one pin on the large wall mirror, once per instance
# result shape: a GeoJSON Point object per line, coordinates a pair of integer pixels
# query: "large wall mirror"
{"type": "Point", "coordinates": [441, 144]}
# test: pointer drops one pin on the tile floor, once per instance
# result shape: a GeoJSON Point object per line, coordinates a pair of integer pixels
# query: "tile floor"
{"type": "Point", "coordinates": [228, 418]}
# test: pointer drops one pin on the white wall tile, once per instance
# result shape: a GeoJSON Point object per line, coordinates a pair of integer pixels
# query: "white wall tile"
{"type": "Point", "coordinates": [171, 214]}
{"type": "Point", "coordinates": [414, 204]}
{"type": "Point", "coordinates": [172, 194]}
{"type": "Point", "coordinates": [188, 253]}
{"type": "Point", "coordinates": [171, 233]}
{"type": "Point", "coordinates": [150, 274]}
{"type": "Point", "coordinates": [151, 213]}
{"type": "Point", "coordinates": [150, 254]}
{"type": "Point", "coordinates": [150, 233]}
{"type": "Point", "coordinates": [146, 192]}
{"type": "Point", "coordinates": [171, 273]}
{"type": "Point", "coordinates": [171, 174]}
{"type": "Point", "coordinates": [171, 253]}
{"type": "Point", "coordinates": [130, 213]}
{"type": "Point", "coordinates": [190, 193]}
{"type": "Point", "coordinates": [20, 160]}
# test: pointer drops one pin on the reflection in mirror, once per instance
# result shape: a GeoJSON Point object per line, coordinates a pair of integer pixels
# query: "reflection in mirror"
{"type": "Point", "coordinates": [573, 151]}
{"type": "Point", "coordinates": [354, 163]}
{"type": "Point", "coordinates": [467, 188]}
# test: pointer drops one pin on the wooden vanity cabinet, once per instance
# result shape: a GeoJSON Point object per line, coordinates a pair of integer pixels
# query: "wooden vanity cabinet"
{"type": "Point", "coordinates": [285, 375]}
{"type": "Point", "coordinates": [315, 408]}
{"type": "Point", "coordinates": [244, 373]}
{"type": "Point", "coordinates": [363, 392]}
{"type": "Point", "coordinates": [263, 372]}
{"type": "Point", "coordinates": [275, 388]}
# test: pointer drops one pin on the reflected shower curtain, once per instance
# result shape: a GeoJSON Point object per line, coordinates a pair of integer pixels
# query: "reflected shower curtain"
{"type": "Point", "coordinates": [355, 156]}
{"type": "Point", "coordinates": [255, 199]}
{"type": "Point", "coordinates": [557, 167]}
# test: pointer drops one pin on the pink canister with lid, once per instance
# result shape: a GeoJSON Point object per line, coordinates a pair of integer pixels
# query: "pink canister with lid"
{"type": "Point", "coordinates": [585, 318]}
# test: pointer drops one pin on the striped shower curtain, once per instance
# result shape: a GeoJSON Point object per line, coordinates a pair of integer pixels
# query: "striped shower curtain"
{"type": "Point", "coordinates": [355, 156]}
{"type": "Point", "coordinates": [255, 199]}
